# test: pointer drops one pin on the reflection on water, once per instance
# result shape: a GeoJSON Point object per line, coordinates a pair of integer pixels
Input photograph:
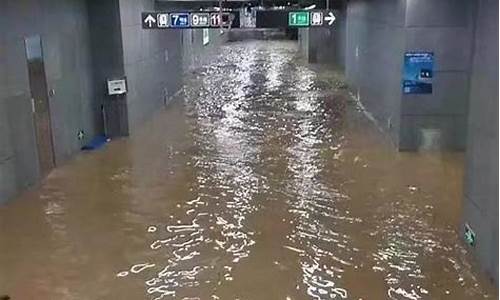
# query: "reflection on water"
{"type": "Point", "coordinates": [261, 182]}
{"type": "Point", "coordinates": [324, 252]}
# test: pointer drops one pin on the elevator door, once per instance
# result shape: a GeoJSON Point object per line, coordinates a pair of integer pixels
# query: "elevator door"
{"type": "Point", "coordinates": [40, 102]}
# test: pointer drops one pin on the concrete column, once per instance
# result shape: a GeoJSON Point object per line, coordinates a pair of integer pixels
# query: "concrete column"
{"type": "Point", "coordinates": [481, 179]}
{"type": "Point", "coordinates": [445, 28]}
{"type": "Point", "coordinates": [325, 45]}
{"type": "Point", "coordinates": [152, 62]}
{"type": "Point", "coordinates": [303, 39]}
{"type": "Point", "coordinates": [463, 35]}
{"type": "Point", "coordinates": [379, 33]}
{"type": "Point", "coordinates": [375, 45]}
{"type": "Point", "coordinates": [107, 62]}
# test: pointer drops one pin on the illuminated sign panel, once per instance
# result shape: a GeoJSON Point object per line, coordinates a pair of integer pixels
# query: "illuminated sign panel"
{"type": "Point", "coordinates": [298, 19]}
{"type": "Point", "coordinates": [294, 18]}
{"type": "Point", "coordinates": [179, 20]}
{"type": "Point", "coordinates": [200, 20]}
{"type": "Point", "coordinates": [272, 18]}
{"type": "Point", "coordinates": [316, 18]}
{"type": "Point", "coordinates": [215, 19]}
{"type": "Point", "coordinates": [190, 19]}
{"type": "Point", "coordinates": [162, 20]}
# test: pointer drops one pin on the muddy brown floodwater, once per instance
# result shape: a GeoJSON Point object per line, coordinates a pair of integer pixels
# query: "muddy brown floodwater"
{"type": "Point", "coordinates": [263, 180]}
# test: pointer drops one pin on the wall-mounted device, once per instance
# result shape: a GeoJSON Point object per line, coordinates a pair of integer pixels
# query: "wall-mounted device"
{"type": "Point", "coordinates": [117, 87]}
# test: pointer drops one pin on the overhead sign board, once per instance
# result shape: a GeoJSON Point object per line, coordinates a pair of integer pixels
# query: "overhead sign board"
{"type": "Point", "coordinates": [190, 19]}
{"type": "Point", "coordinates": [271, 18]}
{"type": "Point", "coordinates": [294, 18]}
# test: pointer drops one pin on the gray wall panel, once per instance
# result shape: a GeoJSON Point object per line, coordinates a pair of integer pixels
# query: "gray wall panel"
{"type": "Point", "coordinates": [375, 37]}
{"type": "Point", "coordinates": [481, 179]}
{"type": "Point", "coordinates": [437, 13]}
{"type": "Point", "coordinates": [449, 97]}
{"type": "Point", "coordinates": [451, 45]}
{"type": "Point", "coordinates": [8, 182]}
{"type": "Point", "coordinates": [63, 27]}
{"type": "Point", "coordinates": [150, 73]}
{"type": "Point", "coordinates": [378, 35]}
{"type": "Point", "coordinates": [22, 136]}
{"type": "Point", "coordinates": [389, 12]}
{"type": "Point", "coordinates": [411, 134]}
{"type": "Point", "coordinates": [107, 63]}
{"type": "Point", "coordinates": [445, 28]}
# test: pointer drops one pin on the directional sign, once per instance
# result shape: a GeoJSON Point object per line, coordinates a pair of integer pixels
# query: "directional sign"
{"type": "Point", "coordinates": [316, 18]}
{"type": "Point", "coordinates": [200, 20]}
{"type": "Point", "coordinates": [330, 18]}
{"type": "Point", "coordinates": [231, 19]}
{"type": "Point", "coordinates": [162, 20]}
{"type": "Point", "coordinates": [190, 19]}
{"type": "Point", "coordinates": [215, 20]}
{"type": "Point", "coordinates": [149, 20]}
{"type": "Point", "coordinates": [294, 18]}
{"type": "Point", "coordinates": [179, 20]}
{"type": "Point", "coordinates": [298, 19]}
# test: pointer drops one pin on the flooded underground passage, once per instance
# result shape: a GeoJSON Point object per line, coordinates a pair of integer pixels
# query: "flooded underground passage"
{"type": "Point", "coordinates": [263, 179]}
{"type": "Point", "coordinates": [244, 149]}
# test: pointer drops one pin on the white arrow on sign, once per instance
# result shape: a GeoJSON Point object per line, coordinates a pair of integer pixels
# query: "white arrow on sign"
{"type": "Point", "coordinates": [150, 20]}
{"type": "Point", "coordinates": [330, 18]}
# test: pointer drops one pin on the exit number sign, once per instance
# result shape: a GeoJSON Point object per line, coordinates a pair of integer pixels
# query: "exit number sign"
{"type": "Point", "coordinates": [298, 18]}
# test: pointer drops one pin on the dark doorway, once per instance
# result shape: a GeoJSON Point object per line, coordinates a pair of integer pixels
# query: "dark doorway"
{"type": "Point", "coordinates": [40, 102]}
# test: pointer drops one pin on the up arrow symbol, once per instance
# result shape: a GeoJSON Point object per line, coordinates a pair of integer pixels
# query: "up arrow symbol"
{"type": "Point", "coordinates": [330, 18]}
{"type": "Point", "coordinates": [150, 20]}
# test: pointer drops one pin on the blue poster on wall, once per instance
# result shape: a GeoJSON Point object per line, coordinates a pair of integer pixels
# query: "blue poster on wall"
{"type": "Point", "coordinates": [418, 72]}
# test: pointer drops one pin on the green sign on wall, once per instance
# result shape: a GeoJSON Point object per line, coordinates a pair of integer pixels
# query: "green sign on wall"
{"type": "Point", "coordinates": [469, 235]}
{"type": "Point", "coordinates": [298, 18]}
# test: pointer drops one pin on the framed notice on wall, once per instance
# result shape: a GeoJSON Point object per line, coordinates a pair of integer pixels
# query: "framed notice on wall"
{"type": "Point", "coordinates": [117, 87]}
{"type": "Point", "coordinates": [418, 72]}
{"type": "Point", "coordinates": [206, 36]}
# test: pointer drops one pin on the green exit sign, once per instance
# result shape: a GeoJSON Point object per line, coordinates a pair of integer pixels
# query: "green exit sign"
{"type": "Point", "coordinates": [298, 18]}
{"type": "Point", "coordinates": [469, 235]}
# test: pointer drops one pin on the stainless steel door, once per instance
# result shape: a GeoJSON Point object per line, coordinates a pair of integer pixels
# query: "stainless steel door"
{"type": "Point", "coordinates": [40, 101]}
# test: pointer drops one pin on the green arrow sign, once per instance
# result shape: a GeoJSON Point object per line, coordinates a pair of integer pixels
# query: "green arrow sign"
{"type": "Point", "coordinates": [298, 18]}
{"type": "Point", "coordinates": [469, 235]}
